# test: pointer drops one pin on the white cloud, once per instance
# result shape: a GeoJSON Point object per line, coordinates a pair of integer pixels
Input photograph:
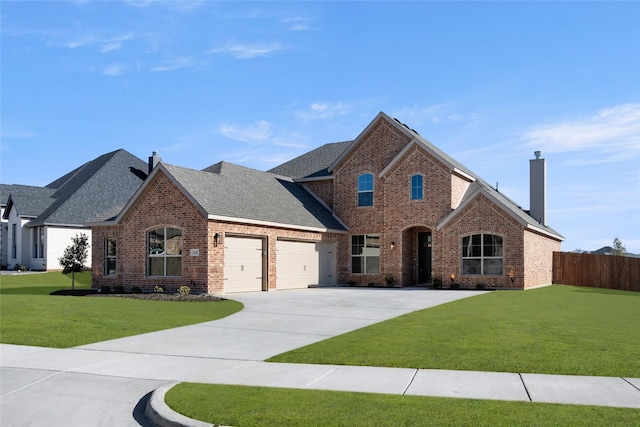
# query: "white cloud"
{"type": "Point", "coordinates": [176, 63]}
{"type": "Point", "coordinates": [323, 110]}
{"type": "Point", "coordinates": [248, 51]}
{"type": "Point", "coordinates": [16, 133]}
{"type": "Point", "coordinates": [260, 131]}
{"type": "Point", "coordinates": [106, 44]}
{"type": "Point", "coordinates": [613, 134]}
{"type": "Point", "coordinates": [298, 23]}
{"type": "Point", "coordinates": [116, 69]}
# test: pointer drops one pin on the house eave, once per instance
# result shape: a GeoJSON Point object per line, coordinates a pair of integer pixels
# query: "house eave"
{"type": "Point", "coordinates": [315, 178]}
{"type": "Point", "coordinates": [273, 224]}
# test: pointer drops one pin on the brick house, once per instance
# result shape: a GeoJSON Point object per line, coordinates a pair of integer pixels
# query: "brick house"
{"type": "Point", "coordinates": [386, 208]}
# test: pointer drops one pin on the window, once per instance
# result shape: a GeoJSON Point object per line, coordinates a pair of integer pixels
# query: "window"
{"type": "Point", "coordinates": [164, 246]}
{"type": "Point", "coordinates": [14, 240]}
{"type": "Point", "coordinates": [365, 254]}
{"type": "Point", "coordinates": [416, 187]}
{"type": "Point", "coordinates": [38, 242]}
{"type": "Point", "coordinates": [41, 248]}
{"type": "Point", "coordinates": [34, 235]}
{"type": "Point", "coordinates": [365, 190]}
{"type": "Point", "coordinates": [482, 254]}
{"type": "Point", "coordinates": [110, 257]}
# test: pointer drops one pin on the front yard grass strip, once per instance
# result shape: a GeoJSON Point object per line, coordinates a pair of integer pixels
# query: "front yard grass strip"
{"type": "Point", "coordinates": [262, 406]}
{"type": "Point", "coordinates": [554, 330]}
{"type": "Point", "coordinates": [30, 316]}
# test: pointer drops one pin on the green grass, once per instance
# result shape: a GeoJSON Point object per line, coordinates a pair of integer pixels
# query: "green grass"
{"type": "Point", "coordinates": [555, 330]}
{"type": "Point", "coordinates": [260, 406]}
{"type": "Point", "coordinates": [30, 316]}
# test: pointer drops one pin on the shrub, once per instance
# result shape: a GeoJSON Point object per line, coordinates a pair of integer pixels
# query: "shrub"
{"type": "Point", "coordinates": [184, 290]}
{"type": "Point", "coordinates": [118, 289]}
{"type": "Point", "coordinates": [158, 289]}
{"type": "Point", "coordinates": [390, 280]}
{"type": "Point", "coordinates": [136, 290]}
{"type": "Point", "coordinates": [105, 289]}
{"type": "Point", "coordinates": [480, 286]}
{"type": "Point", "coordinates": [437, 283]}
{"type": "Point", "coordinates": [455, 285]}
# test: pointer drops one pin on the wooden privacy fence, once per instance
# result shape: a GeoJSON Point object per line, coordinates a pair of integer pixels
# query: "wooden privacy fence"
{"type": "Point", "coordinates": [597, 271]}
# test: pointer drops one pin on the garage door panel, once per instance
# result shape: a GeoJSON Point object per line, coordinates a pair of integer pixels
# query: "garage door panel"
{"type": "Point", "coordinates": [304, 264]}
{"type": "Point", "coordinates": [242, 264]}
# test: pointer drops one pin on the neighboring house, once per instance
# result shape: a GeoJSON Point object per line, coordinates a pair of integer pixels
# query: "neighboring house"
{"type": "Point", "coordinates": [387, 207]}
{"type": "Point", "coordinates": [39, 222]}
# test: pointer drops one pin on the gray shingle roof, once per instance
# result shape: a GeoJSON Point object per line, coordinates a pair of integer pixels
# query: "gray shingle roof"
{"type": "Point", "coordinates": [232, 191]}
{"type": "Point", "coordinates": [313, 164]}
{"type": "Point", "coordinates": [93, 191]}
{"type": "Point", "coordinates": [31, 200]}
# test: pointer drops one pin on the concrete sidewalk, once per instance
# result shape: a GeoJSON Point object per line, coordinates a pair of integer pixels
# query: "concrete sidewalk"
{"type": "Point", "coordinates": [108, 383]}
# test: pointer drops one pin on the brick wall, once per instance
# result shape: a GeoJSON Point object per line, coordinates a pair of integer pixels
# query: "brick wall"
{"type": "Point", "coordinates": [323, 189]}
{"type": "Point", "coordinates": [481, 216]}
{"type": "Point", "coordinates": [538, 264]}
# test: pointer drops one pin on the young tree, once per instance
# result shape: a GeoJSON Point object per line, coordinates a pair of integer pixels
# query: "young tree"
{"type": "Point", "coordinates": [75, 256]}
{"type": "Point", "coordinates": [618, 248]}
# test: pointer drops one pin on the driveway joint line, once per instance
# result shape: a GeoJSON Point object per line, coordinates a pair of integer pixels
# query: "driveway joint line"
{"type": "Point", "coordinates": [33, 383]}
{"type": "Point", "coordinates": [630, 383]}
{"type": "Point", "coordinates": [335, 368]}
{"type": "Point", "coordinates": [525, 387]}
{"type": "Point", "coordinates": [410, 382]}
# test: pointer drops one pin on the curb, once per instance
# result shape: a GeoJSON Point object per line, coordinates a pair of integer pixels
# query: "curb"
{"type": "Point", "coordinates": [162, 415]}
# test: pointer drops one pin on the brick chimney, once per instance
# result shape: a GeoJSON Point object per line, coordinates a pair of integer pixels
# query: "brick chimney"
{"type": "Point", "coordinates": [538, 188]}
{"type": "Point", "coordinates": [154, 159]}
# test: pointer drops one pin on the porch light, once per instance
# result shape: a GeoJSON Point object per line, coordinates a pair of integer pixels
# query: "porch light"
{"type": "Point", "coordinates": [393, 245]}
{"type": "Point", "coordinates": [216, 240]}
{"type": "Point", "coordinates": [453, 277]}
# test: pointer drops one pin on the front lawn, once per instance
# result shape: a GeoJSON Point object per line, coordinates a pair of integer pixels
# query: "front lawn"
{"type": "Point", "coordinates": [260, 406]}
{"type": "Point", "coordinates": [554, 330]}
{"type": "Point", "coordinates": [30, 316]}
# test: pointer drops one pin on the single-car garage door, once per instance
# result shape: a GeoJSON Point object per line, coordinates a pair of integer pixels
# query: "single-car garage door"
{"type": "Point", "coordinates": [243, 270]}
{"type": "Point", "coordinates": [304, 264]}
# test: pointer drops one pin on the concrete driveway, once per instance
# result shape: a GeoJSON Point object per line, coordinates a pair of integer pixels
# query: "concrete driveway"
{"type": "Point", "coordinates": [104, 384]}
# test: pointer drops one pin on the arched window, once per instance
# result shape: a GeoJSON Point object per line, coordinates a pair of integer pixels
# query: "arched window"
{"type": "Point", "coordinates": [365, 189]}
{"type": "Point", "coordinates": [416, 187]}
{"type": "Point", "coordinates": [482, 254]}
{"type": "Point", "coordinates": [164, 252]}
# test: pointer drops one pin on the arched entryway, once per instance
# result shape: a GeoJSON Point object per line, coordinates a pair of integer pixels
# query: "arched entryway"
{"type": "Point", "coordinates": [417, 255]}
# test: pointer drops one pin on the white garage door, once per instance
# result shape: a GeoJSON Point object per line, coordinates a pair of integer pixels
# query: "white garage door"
{"type": "Point", "coordinates": [242, 264]}
{"type": "Point", "coordinates": [304, 264]}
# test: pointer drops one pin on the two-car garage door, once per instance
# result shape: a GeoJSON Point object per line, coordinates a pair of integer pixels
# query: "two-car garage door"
{"type": "Point", "coordinates": [304, 264]}
{"type": "Point", "coordinates": [298, 264]}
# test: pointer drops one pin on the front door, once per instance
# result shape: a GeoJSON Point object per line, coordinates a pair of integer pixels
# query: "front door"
{"type": "Point", "coordinates": [424, 257]}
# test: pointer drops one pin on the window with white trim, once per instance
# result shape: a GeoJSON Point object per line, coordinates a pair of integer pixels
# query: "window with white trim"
{"type": "Point", "coordinates": [164, 252]}
{"type": "Point", "coordinates": [365, 254]}
{"type": "Point", "coordinates": [365, 189]}
{"type": "Point", "coordinates": [110, 257]}
{"type": "Point", "coordinates": [482, 254]}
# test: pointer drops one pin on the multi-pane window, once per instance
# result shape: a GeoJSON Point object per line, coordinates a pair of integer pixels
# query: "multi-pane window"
{"type": "Point", "coordinates": [482, 254]}
{"type": "Point", "coordinates": [164, 252]}
{"type": "Point", "coordinates": [110, 257]}
{"type": "Point", "coordinates": [365, 254]}
{"type": "Point", "coordinates": [365, 190]}
{"type": "Point", "coordinates": [416, 187]}
{"type": "Point", "coordinates": [38, 242]}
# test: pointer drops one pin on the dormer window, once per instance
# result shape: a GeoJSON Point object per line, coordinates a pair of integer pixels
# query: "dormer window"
{"type": "Point", "coordinates": [365, 189]}
{"type": "Point", "coordinates": [416, 187]}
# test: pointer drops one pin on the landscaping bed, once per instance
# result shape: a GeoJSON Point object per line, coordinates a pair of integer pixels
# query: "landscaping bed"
{"type": "Point", "coordinates": [154, 296]}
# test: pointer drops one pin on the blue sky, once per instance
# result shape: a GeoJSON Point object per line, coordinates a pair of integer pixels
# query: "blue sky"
{"type": "Point", "coordinates": [260, 83]}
